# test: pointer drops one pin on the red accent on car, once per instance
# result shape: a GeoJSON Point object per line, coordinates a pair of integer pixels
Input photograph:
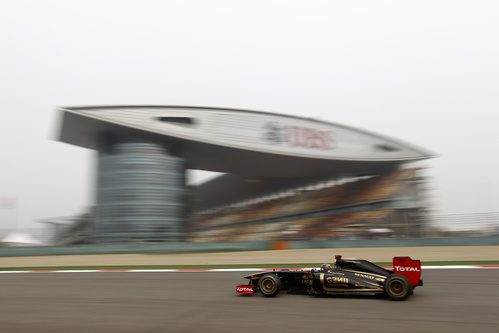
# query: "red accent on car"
{"type": "Point", "coordinates": [244, 289]}
{"type": "Point", "coordinates": [409, 268]}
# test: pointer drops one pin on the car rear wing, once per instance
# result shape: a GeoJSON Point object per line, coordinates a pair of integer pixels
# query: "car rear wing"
{"type": "Point", "coordinates": [409, 268]}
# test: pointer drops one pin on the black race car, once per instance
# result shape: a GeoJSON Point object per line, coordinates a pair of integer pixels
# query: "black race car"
{"type": "Point", "coordinates": [346, 276]}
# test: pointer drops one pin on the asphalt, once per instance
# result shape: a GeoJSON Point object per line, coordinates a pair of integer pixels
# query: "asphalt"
{"type": "Point", "coordinates": [450, 301]}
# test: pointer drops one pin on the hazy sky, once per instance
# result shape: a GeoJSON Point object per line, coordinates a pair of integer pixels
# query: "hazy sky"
{"type": "Point", "coordinates": [426, 72]}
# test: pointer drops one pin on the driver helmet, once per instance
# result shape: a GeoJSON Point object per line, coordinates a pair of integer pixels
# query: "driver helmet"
{"type": "Point", "coordinates": [326, 268]}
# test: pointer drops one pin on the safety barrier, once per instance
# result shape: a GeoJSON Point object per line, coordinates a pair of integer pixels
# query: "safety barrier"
{"type": "Point", "coordinates": [180, 247]}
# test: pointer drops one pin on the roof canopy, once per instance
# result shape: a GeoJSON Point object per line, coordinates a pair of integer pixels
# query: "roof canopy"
{"type": "Point", "coordinates": [248, 143]}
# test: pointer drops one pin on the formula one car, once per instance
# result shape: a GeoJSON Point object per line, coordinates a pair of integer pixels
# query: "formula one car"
{"type": "Point", "coordinates": [346, 276]}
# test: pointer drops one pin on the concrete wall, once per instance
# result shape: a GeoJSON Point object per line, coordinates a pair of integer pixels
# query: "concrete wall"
{"type": "Point", "coordinates": [183, 247]}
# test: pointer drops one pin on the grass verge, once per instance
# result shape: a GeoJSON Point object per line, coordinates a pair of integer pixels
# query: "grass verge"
{"type": "Point", "coordinates": [126, 267]}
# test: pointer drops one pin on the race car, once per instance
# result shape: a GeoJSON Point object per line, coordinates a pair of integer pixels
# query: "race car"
{"type": "Point", "coordinates": [346, 276]}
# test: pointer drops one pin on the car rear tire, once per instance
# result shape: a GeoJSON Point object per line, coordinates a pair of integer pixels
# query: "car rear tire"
{"type": "Point", "coordinates": [269, 285]}
{"type": "Point", "coordinates": [397, 287]}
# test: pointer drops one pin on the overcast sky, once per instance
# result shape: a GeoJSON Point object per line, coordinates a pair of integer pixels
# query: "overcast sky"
{"type": "Point", "coordinates": [426, 72]}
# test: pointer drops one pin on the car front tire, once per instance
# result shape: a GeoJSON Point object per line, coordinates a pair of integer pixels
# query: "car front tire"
{"type": "Point", "coordinates": [269, 285]}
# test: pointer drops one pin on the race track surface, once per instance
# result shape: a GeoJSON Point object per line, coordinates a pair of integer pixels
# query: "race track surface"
{"type": "Point", "coordinates": [451, 301]}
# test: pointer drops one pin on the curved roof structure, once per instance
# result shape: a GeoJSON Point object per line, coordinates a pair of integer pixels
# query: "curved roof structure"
{"type": "Point", "coordinates": [249, 143]}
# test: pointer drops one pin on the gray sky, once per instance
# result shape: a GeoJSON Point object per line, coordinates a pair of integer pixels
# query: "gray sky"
{"type": "Point", "coordinates": [426, 72]}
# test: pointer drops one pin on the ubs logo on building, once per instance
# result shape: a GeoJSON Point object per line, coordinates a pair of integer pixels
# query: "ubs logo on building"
{"type": "Point", "coordinates": [297, 136]}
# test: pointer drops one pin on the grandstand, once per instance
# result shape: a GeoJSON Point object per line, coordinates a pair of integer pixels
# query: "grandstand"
{"type": "Point", "coordinates": [284, 177]}
{"type": "Point", "coordinates": [357, 208]}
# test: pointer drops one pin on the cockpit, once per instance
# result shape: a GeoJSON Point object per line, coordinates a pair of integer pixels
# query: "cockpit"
{"type": "Point", "coordinates": [328, 268]}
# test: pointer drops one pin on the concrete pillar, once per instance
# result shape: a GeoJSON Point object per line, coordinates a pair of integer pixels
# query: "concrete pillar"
{"type": "Point", "coordinates": [140, 193]}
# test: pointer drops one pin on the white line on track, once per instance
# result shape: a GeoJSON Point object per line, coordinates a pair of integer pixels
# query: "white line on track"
{"type": "Point", "coordinates": [151, 270]}
{"type": "Point", "coordinates": [452, 267]}
{"type": "Point", "coordinates": [214, 270]}
{"type": "Point", "coordinates": [235, 269]}
{"type": "Point", "coordinates": [77, 271]}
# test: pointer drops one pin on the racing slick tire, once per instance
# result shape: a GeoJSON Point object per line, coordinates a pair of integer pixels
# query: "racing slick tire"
{"type": "Point", "coordinates": [397, 287]}
{"type": "Point", "coordinates": [269, 285]}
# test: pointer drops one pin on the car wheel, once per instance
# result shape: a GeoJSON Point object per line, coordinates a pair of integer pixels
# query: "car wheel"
{"type": "Point", "coordinates": [269, 285]}
{"type": "Point", "coordinates": [397, 287]}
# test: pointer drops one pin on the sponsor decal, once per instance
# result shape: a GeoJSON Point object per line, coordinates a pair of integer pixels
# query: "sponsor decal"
{"type": "Point", "coordinates": [306, 280]}
{"type": "Point", "coordinates": [336, 279]}
{"type": "Point", "coordinates": [243, 290]}
{"type": "Point", "coordinates": [371, 277]}
{"type": "Point", "coordinates": [297, 136]}
{"type": "Point", "coordinates": [407, 269]}
{"type": "Point", "coordinates": [329, 284]}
